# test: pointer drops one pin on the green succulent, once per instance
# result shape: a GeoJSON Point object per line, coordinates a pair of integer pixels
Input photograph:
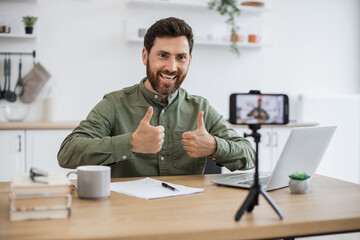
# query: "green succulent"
{"type": "Point", "coordinates": [29, 21]}
{"type": "Point", "coordinates": [299, 176]}
{"type": "Point", "coordinates": [228, 8]}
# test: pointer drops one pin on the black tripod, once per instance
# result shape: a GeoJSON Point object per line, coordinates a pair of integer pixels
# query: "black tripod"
{"type": "Point", "coordinates": [253, 197]}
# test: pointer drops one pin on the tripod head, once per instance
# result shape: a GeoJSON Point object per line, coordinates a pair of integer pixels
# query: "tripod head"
{"type": "Point", "coordinates": [254, 133]}
{"type": "Point", "coordinates": [254, 127]}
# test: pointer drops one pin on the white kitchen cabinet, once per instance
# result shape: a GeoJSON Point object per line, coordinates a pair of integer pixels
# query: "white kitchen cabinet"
{"type": "Point", "coordinates": [272, 142]}
{"type": "Point", "coordinates": [42, 147]}
{"type": "Point", "coordinates": [23, 149]}
{"type": "Point", "coordinates": [279, 138]}
{"type": "Point", "coordinates": [12, 149]}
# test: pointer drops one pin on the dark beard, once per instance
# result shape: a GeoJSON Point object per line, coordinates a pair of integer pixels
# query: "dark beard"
{"type": "Point", "coordinates": [166, 90]}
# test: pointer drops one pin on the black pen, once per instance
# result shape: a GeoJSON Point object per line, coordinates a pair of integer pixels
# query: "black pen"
{"type": "Point", "coordinates": [165, 185]}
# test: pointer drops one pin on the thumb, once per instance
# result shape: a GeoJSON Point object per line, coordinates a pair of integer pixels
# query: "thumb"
{"type": "Point", "coordinates": [200, 121]}
{"type": "Point", "coordinates": [148, 115]}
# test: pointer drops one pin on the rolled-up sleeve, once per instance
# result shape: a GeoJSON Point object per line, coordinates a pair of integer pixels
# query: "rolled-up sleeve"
{"type": "Point", "coordinates": [91, 142]}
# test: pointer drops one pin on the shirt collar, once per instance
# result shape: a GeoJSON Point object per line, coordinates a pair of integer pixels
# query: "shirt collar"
{"type": "Point", "coordinates": [156, 98]}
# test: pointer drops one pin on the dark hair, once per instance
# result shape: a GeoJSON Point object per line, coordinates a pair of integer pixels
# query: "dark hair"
{"type": "Point", "coordinates": [168, 27]}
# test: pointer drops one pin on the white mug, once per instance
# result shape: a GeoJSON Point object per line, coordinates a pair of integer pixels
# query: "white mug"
{"type": "Point", "coordinates": [93, 181]}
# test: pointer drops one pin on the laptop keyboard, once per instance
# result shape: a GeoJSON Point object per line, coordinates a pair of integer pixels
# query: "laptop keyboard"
{"type": "Point", "coordinates": [263, 181]}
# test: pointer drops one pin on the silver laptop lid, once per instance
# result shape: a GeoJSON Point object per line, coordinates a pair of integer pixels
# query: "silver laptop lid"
{"type": "Point", "coordinates": [303, 152]}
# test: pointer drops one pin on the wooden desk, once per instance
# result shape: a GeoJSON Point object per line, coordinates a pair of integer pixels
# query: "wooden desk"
{"type": "Point", "coordinates": [331, 206]}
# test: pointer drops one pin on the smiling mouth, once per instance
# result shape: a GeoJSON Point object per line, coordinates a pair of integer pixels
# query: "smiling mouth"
{"type": "Point", "coordinates": [168, 77]}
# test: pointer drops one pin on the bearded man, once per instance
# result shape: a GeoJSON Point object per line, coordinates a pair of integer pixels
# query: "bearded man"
{"type": "Point", "coordinates": [156, 128]}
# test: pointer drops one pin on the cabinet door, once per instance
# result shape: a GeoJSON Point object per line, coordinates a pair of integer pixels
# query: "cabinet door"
{"type": "Point", "coordinates": [279, 138]}
{"type": "Point", "coordinates": [42, 147]}
{"type": "Point", "coordinates": [12, 153]}
{"type": "Point", "coordinates": [265, 149]}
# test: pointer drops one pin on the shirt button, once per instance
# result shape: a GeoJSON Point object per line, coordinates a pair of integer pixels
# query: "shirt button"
{"type": "Point", "coordinates": [123, 157]}
{"type": "Point", "coordinates": [162, 158]}
{"type": "Point", "coordinates": [156, 96]}
{"type": "Point", "coordinates": [213, 159]}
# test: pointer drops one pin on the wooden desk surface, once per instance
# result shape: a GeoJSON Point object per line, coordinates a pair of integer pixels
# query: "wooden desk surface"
{"type": "Point", "coordinates": [331, 206]}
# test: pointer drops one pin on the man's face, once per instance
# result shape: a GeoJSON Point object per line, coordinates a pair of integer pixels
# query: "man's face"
{"type": "Point", "coordinates": [167, 63]}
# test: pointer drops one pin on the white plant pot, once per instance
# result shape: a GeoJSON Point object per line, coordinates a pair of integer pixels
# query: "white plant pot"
{"type": "Point", "coordinates": [299, 186]}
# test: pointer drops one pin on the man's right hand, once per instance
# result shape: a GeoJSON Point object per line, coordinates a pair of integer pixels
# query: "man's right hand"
{"type": "Point", "coordinates": [147, 138]}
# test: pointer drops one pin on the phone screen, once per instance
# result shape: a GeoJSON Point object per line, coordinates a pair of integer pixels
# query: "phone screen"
{"type": "Point", "coordinates": [259, 109]}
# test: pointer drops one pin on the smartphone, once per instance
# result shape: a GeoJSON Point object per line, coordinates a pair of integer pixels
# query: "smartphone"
{"type": "Point", "coordinates": [250, 109]}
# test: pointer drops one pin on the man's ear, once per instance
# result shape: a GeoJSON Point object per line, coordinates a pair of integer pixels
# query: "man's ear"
{"type": "Point", "coordinates": [190, 59]}
{"type": "Point", "coordinates": [144, 56]}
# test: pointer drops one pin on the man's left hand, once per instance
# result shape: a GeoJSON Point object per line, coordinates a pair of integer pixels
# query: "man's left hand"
{"type": "Point", "coordinates": [199, 143]}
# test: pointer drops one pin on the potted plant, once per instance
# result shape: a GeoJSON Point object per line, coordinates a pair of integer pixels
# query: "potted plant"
{"type": "Point", "coordinates": [29, 22]}
{"type": "Point", "coordinates": [299, 182]}
{"type": "Point", "coordinates": [228, 8]}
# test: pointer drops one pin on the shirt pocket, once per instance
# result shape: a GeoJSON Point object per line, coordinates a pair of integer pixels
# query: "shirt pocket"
{"type": "Point", "coordinates": [183, 161]}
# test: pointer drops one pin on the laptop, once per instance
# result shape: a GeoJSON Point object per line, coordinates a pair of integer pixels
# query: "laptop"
{"type": "Point", "coordinates": [302, 152]}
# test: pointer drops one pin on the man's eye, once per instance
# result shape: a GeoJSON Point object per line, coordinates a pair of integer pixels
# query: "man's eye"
{"type": "Point", "coordinates": [181, 57]}
{"type": "Point", "coordinates": [162, 55]}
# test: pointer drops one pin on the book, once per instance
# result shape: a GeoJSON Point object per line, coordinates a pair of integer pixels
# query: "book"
{"type": "Point", "coordinates": [40, 214]}
{"type": "Point", "coordinates": [36, 202]}
{"type": "Point", "coordinates": [51, 212]}
{"type": "Point", "coordinates": [56, 183]}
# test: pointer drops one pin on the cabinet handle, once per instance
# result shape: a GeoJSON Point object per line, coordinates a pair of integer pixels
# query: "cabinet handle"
{"type": "Point", "coordinates": [19, 138]}
{"type": "Point", "coordinates": [276, 139]}
{"type": "Point", "coordinates": [269, 139]}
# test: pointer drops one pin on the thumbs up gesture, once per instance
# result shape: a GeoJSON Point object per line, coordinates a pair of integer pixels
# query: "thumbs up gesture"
{"type": "Point", "coordinates": [199, 143]}
{"type": "Point", "coordinates": [147, 138]}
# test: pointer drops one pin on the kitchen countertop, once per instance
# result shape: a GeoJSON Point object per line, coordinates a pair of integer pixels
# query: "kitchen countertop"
{"type": "Point", "coordinates": [71, 125]}
{"type": "Point", "coordinates": [37, 125]}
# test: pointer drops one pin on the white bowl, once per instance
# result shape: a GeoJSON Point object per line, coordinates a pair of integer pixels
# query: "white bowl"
{"type": "Point", "coordinates": [16, 112]}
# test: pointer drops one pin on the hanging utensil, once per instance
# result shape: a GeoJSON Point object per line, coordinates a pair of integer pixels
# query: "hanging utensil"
{"type": "Point", "coordinates": [5, 77]}
{"type": "Point", "coordinates": [9, 95]}
{"type": "Point", "coordinates": [1, 92]}
{"type": "Point", "coordinates": [19, 82]}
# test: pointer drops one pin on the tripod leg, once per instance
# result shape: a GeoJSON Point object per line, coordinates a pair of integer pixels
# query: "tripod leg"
{"type": "Point", "coordinates": [254, 202]}
{"type": "Point", "coordinates": [251, 207]}
{"type": "Point", "coordinates": [272, 203]}
{"type": "Point", "coordinates": [249, 201]}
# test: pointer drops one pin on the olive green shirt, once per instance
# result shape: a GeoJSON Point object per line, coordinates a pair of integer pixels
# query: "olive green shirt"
{"type": "Point", "coordinates": [104, 138]}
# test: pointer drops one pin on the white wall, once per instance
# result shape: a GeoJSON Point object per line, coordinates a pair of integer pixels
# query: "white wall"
{"type": "Point", "coordinates": [314, 48]}
{"type": "Point", "coordinates": [342, 158]}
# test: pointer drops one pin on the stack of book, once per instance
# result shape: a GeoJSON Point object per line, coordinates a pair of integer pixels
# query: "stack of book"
{"type": "Point", "coordinates": [48, 198]}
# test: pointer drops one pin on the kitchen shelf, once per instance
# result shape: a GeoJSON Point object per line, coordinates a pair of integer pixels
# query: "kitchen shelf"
{"type": "Point", "coordinates": [225, 43]}
{"type": "Point", "coordinates": [213, 43]}
{"type": "Point", "coordinates": [37, 125]}
{"type": "Point", "coordinates": [22, 36]}
{"type": "Point", "coordinates": [191, 4]}
{"type": "Point", "coordinates": [136, 28]}
{"type": "Point", "coordinates": [173, 3]}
